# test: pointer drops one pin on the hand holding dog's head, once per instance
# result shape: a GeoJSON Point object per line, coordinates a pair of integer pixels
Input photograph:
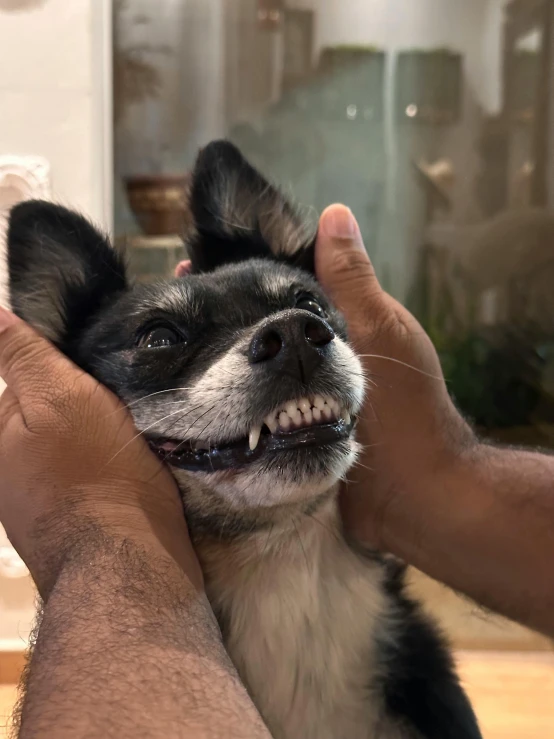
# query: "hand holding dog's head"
{"type": "Point", "coordinates": [238, 373]}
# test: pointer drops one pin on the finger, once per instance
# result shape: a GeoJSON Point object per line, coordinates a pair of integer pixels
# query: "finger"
{"type": "Point", "coordinates": [183, 268]}
{"type": "Point", "coordinates": [343, 266]}
{"type": "Point", "coordinates": [29, 365]}
{"type": "Point", "coordinates": [9, 408]}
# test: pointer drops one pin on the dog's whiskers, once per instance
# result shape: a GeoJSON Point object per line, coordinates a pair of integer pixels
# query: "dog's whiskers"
{"type": "Point", "coordinates": [141, 433]}
{"type": "Point", "coordinates": [404, 364]}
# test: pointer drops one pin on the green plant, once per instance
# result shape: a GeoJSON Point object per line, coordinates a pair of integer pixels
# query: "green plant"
{"type": "Point", "coordinates": [494, 376]}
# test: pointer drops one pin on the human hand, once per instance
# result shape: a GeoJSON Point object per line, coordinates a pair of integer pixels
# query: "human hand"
{"type": "Point", "coordinates": [73, 469]}
{"type": "Point", "coordinates": [409, 427]}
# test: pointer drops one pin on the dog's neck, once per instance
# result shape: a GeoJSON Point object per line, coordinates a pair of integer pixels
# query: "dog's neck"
{"type": "Point", "coordinates": [213, 523]}
{"type": "Point", "coordinates": [277, 533]}
{"type": "Point", "coordinates": [291, 600]}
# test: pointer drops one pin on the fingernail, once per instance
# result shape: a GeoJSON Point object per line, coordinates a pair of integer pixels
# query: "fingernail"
{"type": "Point", "coordinates": [341, 224]}
{"type": "Point", "coordinates": [7, 319]}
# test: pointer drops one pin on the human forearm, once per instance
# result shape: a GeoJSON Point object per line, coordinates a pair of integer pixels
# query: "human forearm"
{"type": "Point", "coordinates": [482, 524]}
{"type": "Point", "coordinates": [128, 648]}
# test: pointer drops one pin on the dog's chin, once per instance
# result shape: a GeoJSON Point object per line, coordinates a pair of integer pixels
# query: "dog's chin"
{"type": "Point", "coordinates": [276, 482]}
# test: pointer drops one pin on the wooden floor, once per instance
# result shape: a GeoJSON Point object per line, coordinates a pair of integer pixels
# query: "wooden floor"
{"type": "Point", "coordinates": [513, 693]}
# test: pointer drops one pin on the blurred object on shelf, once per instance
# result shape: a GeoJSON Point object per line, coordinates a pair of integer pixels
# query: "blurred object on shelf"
{"type": "Point", "coordinates": [522, 190]}
{"type": "Point", "coordinates": [152, 258]}
{"type": "Point", "coordinates": [270, 14]}
{"type": "Point", "coordinates": [298, 47]}
{"type": "Point", "coordinates": [429, 87]}
{"type": "Point", "coordinates": [159, 202]}
{"type": "Point", "coordinates": [134, 78]}
{"type": "Point", "coordinates": [438, 179]}
{"type": "Point", "coordinates": [493, 146]}
{"type": "Point", "coordinates": [350, 80]}
{"type": "Point", "coordinates": [513, 254]}
{"type": "Point", "coordinates": [526, 70]}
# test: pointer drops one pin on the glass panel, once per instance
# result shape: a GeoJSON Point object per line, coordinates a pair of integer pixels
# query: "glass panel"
{"type": "Point", "coordinates": [432, 120]}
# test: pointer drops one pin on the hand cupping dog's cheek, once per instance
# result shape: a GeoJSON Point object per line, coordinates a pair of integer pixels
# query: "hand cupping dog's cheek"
{"type": "Point", "coordinates": [74, 472]}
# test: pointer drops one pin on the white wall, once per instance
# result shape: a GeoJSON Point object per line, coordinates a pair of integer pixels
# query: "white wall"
{"type": "Point", "coordinates": [52, 68]}
{"type": "Point", "coordinates": [55, 83]}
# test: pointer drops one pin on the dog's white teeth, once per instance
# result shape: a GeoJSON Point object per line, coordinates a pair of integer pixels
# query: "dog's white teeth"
{"type": "Point", "coordinates": [346, 418]}
{"type": "Point", "coordinates": [254, 436]}
{"type": "Point", "coordinates": [305, 406]}
{"type": "Point", "coordinates": [319, 402]}
{"type": "Point", "coordinates": [272, 423]}
{"type": "Point", "coordinates": [334, 406]}
{"type": "Point", "coordinates": [305, 412]}
{"type": "Point", "coordinates": [291, 408]}
{"type": "Point", "coordinates": [284, 421]}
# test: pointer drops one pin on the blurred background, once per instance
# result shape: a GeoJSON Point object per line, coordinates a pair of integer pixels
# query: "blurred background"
{"type": "Point", "coordinates": [432, 119]}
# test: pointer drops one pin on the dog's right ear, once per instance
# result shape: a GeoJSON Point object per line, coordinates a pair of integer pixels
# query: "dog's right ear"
{"type": "Point", "coordinates": [61, 269]}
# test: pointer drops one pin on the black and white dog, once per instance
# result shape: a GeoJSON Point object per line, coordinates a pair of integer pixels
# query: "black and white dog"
{"type": "Point", "coordinates": [241, 377]}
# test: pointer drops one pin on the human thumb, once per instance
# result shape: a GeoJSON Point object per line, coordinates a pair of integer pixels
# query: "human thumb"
{"type": "Point", "coordinates": [27, 361]}
{"type": "Point", "coordinates": [342, 264]}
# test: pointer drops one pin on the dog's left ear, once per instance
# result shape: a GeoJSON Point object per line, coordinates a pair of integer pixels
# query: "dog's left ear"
{"type": "Point", "coordinates": [62, 270]}
{"type": "Point", "coordinates": [239, 215]}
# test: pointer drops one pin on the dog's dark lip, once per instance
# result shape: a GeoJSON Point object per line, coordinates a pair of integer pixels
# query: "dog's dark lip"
{"type": "Point", "coordinates": [238, 454]}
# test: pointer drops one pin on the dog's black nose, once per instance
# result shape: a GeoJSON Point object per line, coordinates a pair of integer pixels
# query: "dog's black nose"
{"type": "Point", "coordinates": [293, 343]}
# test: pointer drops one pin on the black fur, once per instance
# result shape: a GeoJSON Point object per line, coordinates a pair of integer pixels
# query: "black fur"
{"type": "Point", "coordinates": [227, 233]}
{"type": "Point", "coordinates": [62, 270]}
{"type": "Point", "coordinates": [66, 280]}
{"type": "Point", "coordinates": [421, 685]}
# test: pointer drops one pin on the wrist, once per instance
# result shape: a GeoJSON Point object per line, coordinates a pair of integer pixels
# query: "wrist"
{"type": "Point", "coordinates": [110, 538]}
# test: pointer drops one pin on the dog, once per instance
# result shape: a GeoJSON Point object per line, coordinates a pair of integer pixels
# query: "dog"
{"type": "Point", "coordinates": [241, 377]}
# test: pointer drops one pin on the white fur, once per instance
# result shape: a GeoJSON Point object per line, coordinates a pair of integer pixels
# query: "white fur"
{"type": "Point", "coordinates": [300, 611]}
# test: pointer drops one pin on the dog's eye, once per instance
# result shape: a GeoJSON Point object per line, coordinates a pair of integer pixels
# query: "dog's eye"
{"type": "Point", "coordinates": [305, 301]}
{"type": "Point", "coordinates": [160, 336]}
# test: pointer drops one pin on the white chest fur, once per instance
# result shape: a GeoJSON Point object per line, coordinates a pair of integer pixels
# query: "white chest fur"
{"type": "Point", "coordinates": [299, 610]}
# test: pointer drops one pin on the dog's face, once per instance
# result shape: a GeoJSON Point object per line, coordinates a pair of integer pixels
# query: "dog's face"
{"type": "Point", "coordinates": [238, 374]}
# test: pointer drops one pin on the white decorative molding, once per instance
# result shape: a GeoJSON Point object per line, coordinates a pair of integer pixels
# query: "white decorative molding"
{"type": "Point", "coordinates": [22, 178]}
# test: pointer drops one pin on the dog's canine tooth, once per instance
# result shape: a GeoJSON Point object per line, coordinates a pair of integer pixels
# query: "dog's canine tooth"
{"type": "Point", "coordinates": [346, 417]}
{"type": "Point", "coordinates": [254, 437]}
{"type": "Point", "coordinates": [272, 423]}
